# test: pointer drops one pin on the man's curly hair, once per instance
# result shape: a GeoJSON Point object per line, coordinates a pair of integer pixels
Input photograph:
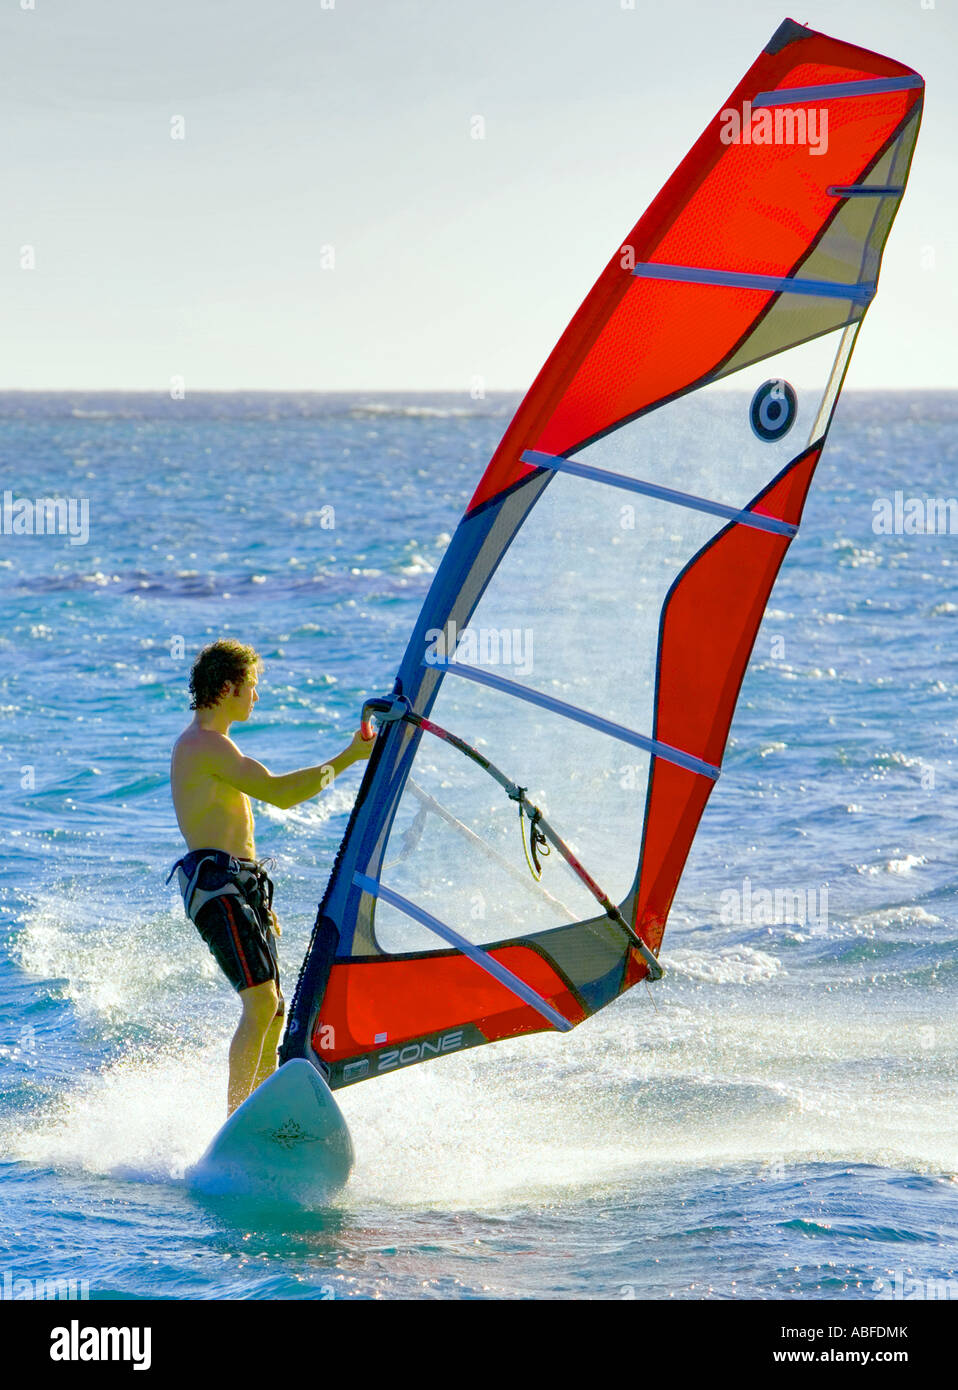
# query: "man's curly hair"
{"type": "Point", "coordinates": [220, 664]}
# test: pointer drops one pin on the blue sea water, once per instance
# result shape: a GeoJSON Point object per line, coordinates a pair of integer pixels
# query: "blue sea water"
{"type": "Point", "coordinates": [778, 1121]}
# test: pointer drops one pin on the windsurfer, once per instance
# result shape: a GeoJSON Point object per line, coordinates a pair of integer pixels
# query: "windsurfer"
{"type": "Point", "coordinates": [227, 892]}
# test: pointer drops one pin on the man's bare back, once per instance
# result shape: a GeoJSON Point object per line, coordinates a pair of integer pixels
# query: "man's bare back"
{"type": "Point", "coordinates": [210, 812]}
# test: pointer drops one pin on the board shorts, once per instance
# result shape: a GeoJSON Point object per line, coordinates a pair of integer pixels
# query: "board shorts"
{"type": "Point", "coordinates": [229, 901]}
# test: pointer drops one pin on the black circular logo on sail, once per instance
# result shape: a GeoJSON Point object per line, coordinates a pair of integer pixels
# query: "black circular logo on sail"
{"type": "Point", "coordinates": [772, 412]}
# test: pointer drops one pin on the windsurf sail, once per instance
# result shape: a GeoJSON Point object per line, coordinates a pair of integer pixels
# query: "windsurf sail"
{"type": "Point", "coordinates": [570, 683]}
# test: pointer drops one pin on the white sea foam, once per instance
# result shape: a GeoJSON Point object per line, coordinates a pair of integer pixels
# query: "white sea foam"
{"type": "Point", "coordinates": [728, 965]}
{"type": "Point", "coordinates": [417, 564]}
{"type": "Point", "coordinates": [702, 1080]}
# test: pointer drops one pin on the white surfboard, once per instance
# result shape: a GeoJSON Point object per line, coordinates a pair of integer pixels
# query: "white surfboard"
{"type": "Point", "coordinates": [287, 1142]}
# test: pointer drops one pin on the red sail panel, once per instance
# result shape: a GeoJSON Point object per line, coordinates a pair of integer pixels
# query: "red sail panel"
{"type": "Point", "coordinates": [708, 630]}
{"type": "Point", "coordinates": [390, 1001]}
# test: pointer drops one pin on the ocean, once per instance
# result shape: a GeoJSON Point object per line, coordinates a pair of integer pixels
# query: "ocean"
{"type": "Point", "coordinates": [775, 1120]}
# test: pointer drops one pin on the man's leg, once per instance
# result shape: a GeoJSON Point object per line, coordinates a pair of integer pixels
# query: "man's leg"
{"type": "Point", "coordinates": [259, 1011]}
{"type": "Point", "coordinates": [268, 1059]}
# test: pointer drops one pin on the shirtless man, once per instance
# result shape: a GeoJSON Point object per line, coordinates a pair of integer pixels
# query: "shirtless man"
{"type": "Point", "coordinates": [226, 891]}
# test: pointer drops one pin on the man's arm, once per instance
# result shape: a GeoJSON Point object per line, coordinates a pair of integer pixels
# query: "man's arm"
{"type": "Point", "coordinates": [226, 762]}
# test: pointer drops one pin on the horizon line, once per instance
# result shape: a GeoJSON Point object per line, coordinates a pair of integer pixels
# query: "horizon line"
{"type": "Point", "coordinates": [354, 391]}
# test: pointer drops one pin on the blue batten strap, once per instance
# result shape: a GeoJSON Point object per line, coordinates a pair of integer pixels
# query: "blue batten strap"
{"type": "Point", "coordinates": [865, 190]}
{"type": "Point", "coordinates": [580, 716]}
{"type": "Point", "coordinates": [745, 280]}
{"type": "Point", "coordinates": [664, 494]}
{"type": "Point", "coordinates": [475, 953]}
{"type": "Point", "coordinates": [872, 86]}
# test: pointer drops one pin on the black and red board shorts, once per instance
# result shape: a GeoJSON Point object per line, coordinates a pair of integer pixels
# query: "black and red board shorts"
{"type": "Point", "coordinates": [229, 901]}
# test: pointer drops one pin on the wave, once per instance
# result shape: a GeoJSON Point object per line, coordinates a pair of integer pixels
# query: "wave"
{"type": "Point", "coordinates": [333, 584]}
{"type": "Point", "coordinates": [96, 407]}
{"type": "Point", "coordinates": [730, 965]}
{"type": "Point", "coordinates": [478, 411]}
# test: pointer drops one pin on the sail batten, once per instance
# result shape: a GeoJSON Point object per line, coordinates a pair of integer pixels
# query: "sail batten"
{"type": "Point", "coordinates": [480, 958]}
{"type": "Point", "coordinates": [864, 190]}
{"type": "Point", "coordinates": [745, 280]}
{"type": "Point", "coordinates": [641, 485]}
{"type": "Point", "coordinates": [581, 716]}
{"type": "Point", "coordinates": [832, 91]}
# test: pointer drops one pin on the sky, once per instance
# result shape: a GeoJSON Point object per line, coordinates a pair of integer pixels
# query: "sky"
{"type": "Point", "coordinates": [328, 220]}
